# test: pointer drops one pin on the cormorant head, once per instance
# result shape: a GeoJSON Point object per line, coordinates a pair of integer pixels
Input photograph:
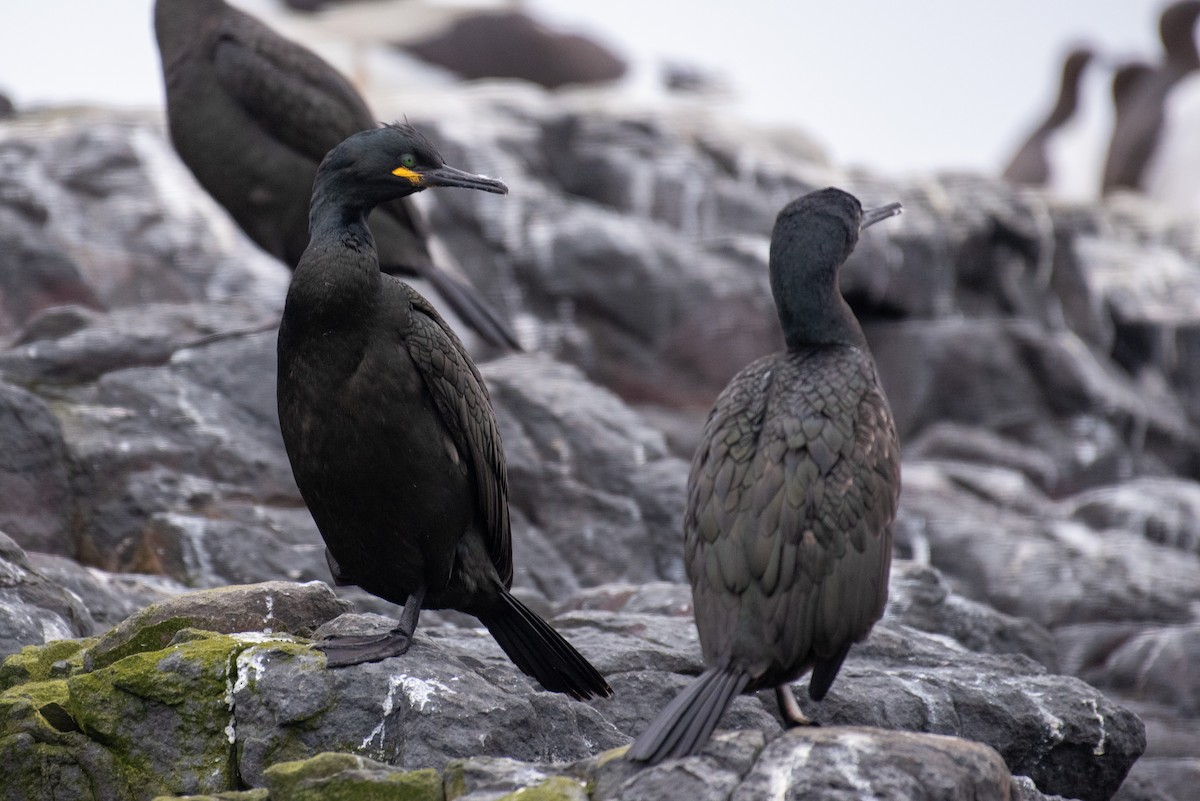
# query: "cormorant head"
{"type": "Point", "coordinates": [820, 229]}
{"type": "Point", "coordinates": [1176, 28]}
{"type": "Point", "coordinates": [179, 23]}
{"type": "Point", "coordinates": [813, 236]}
{"type": "Point", "coordinates": [372, 167]}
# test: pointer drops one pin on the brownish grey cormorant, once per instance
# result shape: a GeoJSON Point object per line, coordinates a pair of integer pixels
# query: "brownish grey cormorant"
{"type": "Point", "coordinates": [792, 493]}
{"type": "Point", "coordinates": [389, 427]}
{"type": "Point", "coordinates": [252, 114]}
{"type": "Point", "coordinates": [1031, 164]}
{"type": "Point", "coordinates": [1138, 129]}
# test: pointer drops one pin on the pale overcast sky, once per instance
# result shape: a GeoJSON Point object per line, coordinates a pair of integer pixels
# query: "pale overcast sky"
{"type": "Point", "coordinates": [897, 86]}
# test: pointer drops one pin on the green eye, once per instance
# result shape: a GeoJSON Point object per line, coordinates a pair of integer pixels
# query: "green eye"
{"type": "Point", "coordinates": [408, 160]}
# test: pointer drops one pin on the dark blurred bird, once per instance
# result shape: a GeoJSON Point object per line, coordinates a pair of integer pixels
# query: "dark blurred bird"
{"type": "Point", "coordinates": [1125, 79]}
{"type": "Point", "coordinates": [1031, 165]}
{"type": "Point", "coordinates": [791, 494]}
{"type": "Point", "coordinates": [511, 44]}
{"type": "Point", "coordinates": [252, 114]}
{"type": "Point", "coordinates": [1139, 131]}
{"type": "Point", "coordinates": [389, 427]}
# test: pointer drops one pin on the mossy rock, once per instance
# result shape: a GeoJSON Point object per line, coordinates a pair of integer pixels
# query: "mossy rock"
{"type": "Point", "coordinates": [269, 607]}
{"type": "Point", "coordinates": [347, 777]}
{"type": "Point", "coordinates": [556, 788]}
{"type": "Point", "coordinates": [258, 794]}
{"type": "Point", "coordinates": [57, 659]}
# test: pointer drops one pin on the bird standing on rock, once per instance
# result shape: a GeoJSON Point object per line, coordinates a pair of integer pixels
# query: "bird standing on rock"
{"type": "Point", "coordinates": [252, 114]}
{"type": "Point", "coordinates": [792, 493]}
{"type": "Point", "coordinates": [1031, 165]}
{"type": "Point", "coordinates": [1148, 151]}
{"type": "Point", "coordinates": [389, 427]}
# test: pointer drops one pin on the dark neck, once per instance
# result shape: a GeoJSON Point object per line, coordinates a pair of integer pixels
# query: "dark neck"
{"type": "Point", "coordinates": [1179, 41]}
{"type": "Point", "coordinates": [811, 309]}
{"type": "Point", "coordinates": [333, 215]}
{"type": "Point", "coordinates": [337, 279]}
{"type": "Point", "coordinates": [807, 321]}
{"type": "Point", "coordinates": [1068, 96]}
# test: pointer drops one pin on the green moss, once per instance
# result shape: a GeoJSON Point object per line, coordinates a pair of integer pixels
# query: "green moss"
{"type": "Point", "coordinates": [37, 662]}
{"type": "Point", "coordinates": [346, 777]}
{"type": "Point", "coordinates": [69, 769]}
{"type": "Point", "coordinates": [151, 637]}
{"type": "Point", "coordinates": [556, 788]}
{"type": "Point", "coordinates": [454, 780]}
{"type": "Point", "coordinates": [21, 707]}
{"type": "Point", "coordinates": [163, 715]}
{"type": "Point", "coordinates": [259, 794]}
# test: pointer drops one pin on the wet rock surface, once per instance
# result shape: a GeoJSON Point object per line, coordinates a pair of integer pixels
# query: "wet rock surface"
{"type": "Point", "coordinates": [1039, 358]}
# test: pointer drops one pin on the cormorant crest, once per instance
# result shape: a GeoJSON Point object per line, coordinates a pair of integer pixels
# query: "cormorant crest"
{"type": "Point", "coordinates": [420, 142]}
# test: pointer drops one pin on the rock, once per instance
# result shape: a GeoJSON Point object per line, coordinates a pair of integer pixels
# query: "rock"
{"type": "Point", "coordinates": [1165, 510]}
{"type": "Point", "coordinates": [126, 215]}
{"type": "Point", "coordinates": [918, 596]}
{"type": "Point", "coordinates": [268, 608]}
{"type": "Point", "coordinates": [1154, 664]}
{"type": "Point", "coordinates": [314, 779]}
{"type": "Point", "coordinates": [1031, 561]}
{"type": "Point", "coordinates": [71, 345]}
{"type": "Point", "coordinates": [34, 474]}
{"type": "Point", "coordinates": [1065, 735]}
{"type": "Point", "coordinates": [820, 763]}
{"type": "Point", "coordinates": [455, 695]}
{"type": "Point", "coordinates": [233, 705]}
{"type": "Point", "coordinates": [586, 470]}
{"type": "Point", "coordinates": [1042, 358]}
{"type": "Point", "coordinates": [34, 610]}
{"type": "Point", "coordinates": [108, 597]}
{"type": "Point", "coordinates": [1161, 780]}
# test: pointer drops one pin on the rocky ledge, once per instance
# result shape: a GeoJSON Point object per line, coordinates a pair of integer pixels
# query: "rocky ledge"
{"type": "Point", "coordinates": [208, 692]}
{"type": "Point", "coordinates": [1041, 358]}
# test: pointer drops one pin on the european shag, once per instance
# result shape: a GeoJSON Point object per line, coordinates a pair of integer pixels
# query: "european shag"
{"type": "Point", "coordinates": [252, 114]}
{"type": "Point", "coordinates": [792, 493]}
{"type": "Point", "coordinates": [389, 427]}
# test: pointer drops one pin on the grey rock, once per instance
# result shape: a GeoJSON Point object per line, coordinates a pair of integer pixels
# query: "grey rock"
{"type": "Point", "coordinates": [594, 479]}
{"type": "Point", "coordinates": [34, 474]}
{"type": "Point", "coordinates": [1057, 730]}
{"type": "Point", "coordinates": [711, 777]}
{"type": "Point", "coordinates": [270, 607]}
{"type": "Point", "coordinates": [1045, 389]}
{"type": "Point", "coordinates": [1166, 510]}
{"type": "Point", "coordinates": [918, 596]}
{"type": "Point", "coordinates": [108, 597]}
{"type": "Point", "coordinates": [1161, 779]}
{"type": "Point", "coordinates": [452, 696]}
{"type": "Point", "coordinates": [1031, 561]}
{"type": "Point", "coordinates": [821, 763]}
{"type": "Point", "coordinates": [127, 216]}
{"type": "Point", "coordinates": [71, 345]}
{"type": "Point", "coordinates": [33, 609]}
{"type": "Point", "coordinates": [1155, 664]}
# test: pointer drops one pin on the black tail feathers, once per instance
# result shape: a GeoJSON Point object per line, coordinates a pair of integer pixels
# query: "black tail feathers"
{"type": "Point", "coordinates": [541, 652]}
{"type": "Point", "coordinates": [685, 724]}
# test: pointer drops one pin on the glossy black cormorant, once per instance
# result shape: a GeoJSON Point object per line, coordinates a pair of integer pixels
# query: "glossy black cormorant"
{"type": "Point", "coordinates": [389, 427]}
{"type": "Point", "coordinates": [252, 114]}
{"type": "Point", "coordinates": [792, 492]}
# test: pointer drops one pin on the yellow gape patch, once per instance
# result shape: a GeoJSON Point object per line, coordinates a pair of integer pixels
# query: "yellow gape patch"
{"type": "Point", "coordinates": [405, 172]}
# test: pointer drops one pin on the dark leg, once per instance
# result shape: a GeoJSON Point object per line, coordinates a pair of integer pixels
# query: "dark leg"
{"type": "Point", "coordinates": [356, 649]}
{"type": "Point", "coordinates": [790, 709]}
